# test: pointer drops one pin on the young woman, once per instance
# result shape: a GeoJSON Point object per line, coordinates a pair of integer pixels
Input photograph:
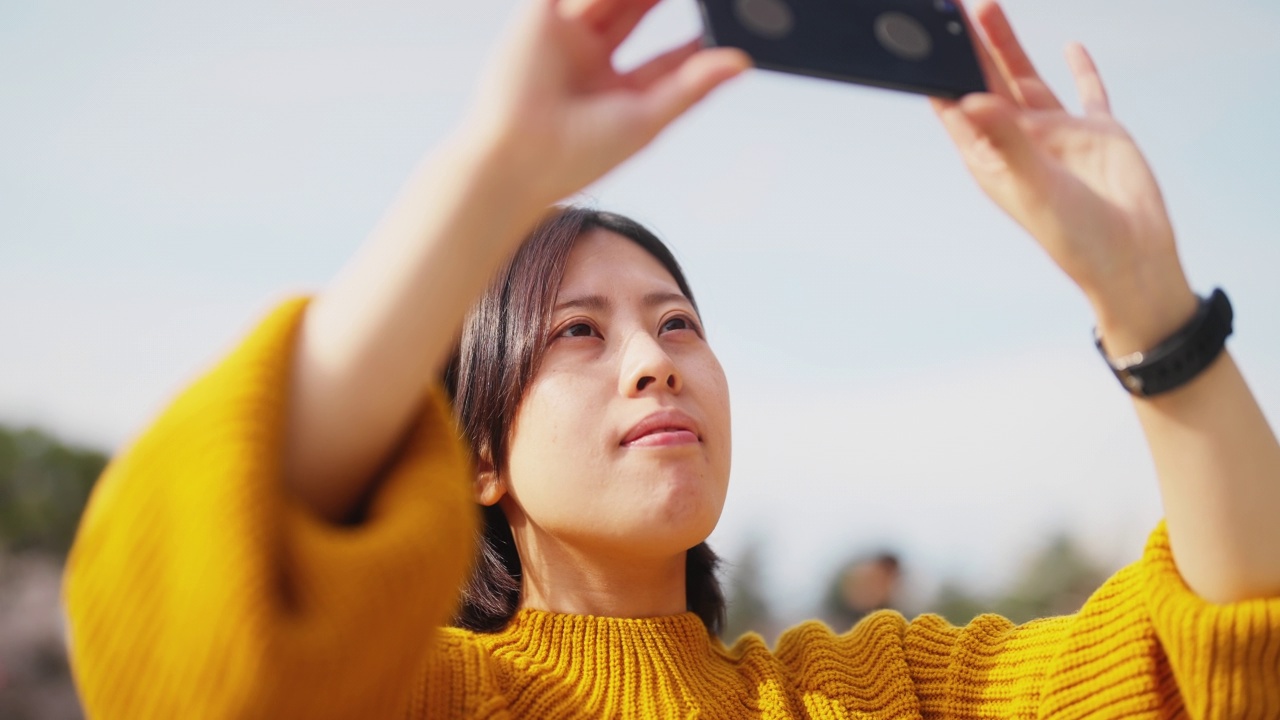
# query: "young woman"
{"type": "Point", "coordinates": [291, 537]}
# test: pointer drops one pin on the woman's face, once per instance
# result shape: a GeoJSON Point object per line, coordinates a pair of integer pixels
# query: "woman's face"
{"type": "Point", "coordinates": [621, 442]}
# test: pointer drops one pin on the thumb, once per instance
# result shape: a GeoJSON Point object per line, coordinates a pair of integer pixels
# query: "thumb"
{"type": "Point", "coordinates": [668, 97]}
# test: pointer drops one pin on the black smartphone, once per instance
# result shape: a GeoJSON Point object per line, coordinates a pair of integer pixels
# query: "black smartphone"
{"type": "Point", "coordinates": [920, 46]}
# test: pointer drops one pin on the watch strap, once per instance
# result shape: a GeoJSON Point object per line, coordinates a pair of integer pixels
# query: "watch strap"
{"type": "Point", "coordinates": [1182, 356]}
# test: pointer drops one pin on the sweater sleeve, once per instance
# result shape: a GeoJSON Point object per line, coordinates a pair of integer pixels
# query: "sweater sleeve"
{"type": "Point", "coordinates": [1143, 645]}
{"type": "Point", "coordinates": [198, 588]}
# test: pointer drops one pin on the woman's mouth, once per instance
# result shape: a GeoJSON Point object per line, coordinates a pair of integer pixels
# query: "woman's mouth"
{"type": "Point", "coordinates": [666, 436]}
{"type": "Point", "coordinates": [666, 427]}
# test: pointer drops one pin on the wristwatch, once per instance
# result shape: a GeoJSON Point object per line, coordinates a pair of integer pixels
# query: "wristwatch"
{"type": "Point", "coordinates": [1182, 356]}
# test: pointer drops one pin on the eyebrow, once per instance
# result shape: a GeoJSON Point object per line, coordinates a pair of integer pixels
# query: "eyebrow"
{"type": "Point", "coordinates": [600, 303]}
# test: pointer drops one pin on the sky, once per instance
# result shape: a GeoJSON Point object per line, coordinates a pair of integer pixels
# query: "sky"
{"type": "Point", "coordinates": [907, 368]}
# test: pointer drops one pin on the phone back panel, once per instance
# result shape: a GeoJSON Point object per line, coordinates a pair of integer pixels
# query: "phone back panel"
{"type": "Point", "coordinates": [919, 46]}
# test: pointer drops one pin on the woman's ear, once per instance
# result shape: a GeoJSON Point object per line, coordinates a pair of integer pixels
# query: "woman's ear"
{"type": "Point", "coordinates": [487, 487]}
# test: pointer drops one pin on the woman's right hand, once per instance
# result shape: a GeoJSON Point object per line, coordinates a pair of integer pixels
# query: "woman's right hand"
{"type": "Point", "coordinates": [558, 110]}
{"type": "Point", "coordinates": [552, 116]}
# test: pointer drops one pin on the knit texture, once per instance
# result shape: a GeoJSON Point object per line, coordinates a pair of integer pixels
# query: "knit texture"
{"type": "Point", "coordinates": [198, 589]}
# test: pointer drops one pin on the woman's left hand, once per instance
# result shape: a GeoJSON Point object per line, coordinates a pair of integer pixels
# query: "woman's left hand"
{"type": "Point", "coordinates": [1082, 188]}
{"type": "Point", "coordinates": [1078, 184]}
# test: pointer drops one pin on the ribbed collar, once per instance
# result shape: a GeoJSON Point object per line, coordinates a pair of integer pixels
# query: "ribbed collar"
{"type": "Point", "coordinates": [582, 665]}
{"type": "Point", "coordinates": [677, 641]}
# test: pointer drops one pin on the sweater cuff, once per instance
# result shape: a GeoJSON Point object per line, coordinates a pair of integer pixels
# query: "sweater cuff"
{"type": "Point", "coordinates": [1226, 658]}
{"type": "Point", "coordinates": [198, 587]}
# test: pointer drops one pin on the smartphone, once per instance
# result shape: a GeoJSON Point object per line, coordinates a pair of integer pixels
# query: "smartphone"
{"type": "Point", "coordinates": [920, 46]}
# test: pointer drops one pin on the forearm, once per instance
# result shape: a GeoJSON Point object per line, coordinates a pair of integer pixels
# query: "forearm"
{"type": "Point", "coordinates": [1217, 460]}
{"type": "Point", "coordinates": [375, 337]}
{"type": "Point", "coordinates": [1219, 467]}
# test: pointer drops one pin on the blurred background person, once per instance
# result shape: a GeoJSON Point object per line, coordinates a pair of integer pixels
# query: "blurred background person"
{"type": "Point", "coordinates": [862, 586]}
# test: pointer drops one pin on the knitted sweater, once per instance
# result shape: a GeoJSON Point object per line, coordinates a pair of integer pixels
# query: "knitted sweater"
{"type": "Point", "coordinates": [198, 588]}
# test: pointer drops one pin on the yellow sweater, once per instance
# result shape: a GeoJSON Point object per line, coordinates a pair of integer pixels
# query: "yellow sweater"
{"type": "Point", "coordinates": [197, 588]}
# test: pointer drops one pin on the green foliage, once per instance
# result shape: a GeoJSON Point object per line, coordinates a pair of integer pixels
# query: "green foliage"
{"type": "Point", "coordinates": [747, 608]}
{"type": "Point", "coordinates": [1056, 581]}
{"type": "Point", "coordinates": [43, 488]}
{"type": "Point", "coordinates": [955, 604]}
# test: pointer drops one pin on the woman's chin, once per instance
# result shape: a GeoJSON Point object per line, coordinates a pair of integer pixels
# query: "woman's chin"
{"type": "Point", "coordinates": [671, 528]}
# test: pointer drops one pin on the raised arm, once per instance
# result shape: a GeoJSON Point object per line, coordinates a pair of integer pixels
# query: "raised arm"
{"type": "Point", "coordinates": [204, 584]}
{"type": "Point", "coordinates": [1081, 187]}
{"type": "Point", "coordinates": [552, 116]}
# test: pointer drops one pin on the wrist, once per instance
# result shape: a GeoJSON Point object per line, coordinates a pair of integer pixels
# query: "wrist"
{"type": "Point", "coordinates": [1137, 316]}
{"type": "Point", "coordinates": [494, 175]}
{"type": "Point", "coordinates": [525, 143]}
{"type": "Point", "coordinates": [1181, 356]}
{"type": "Point", "coordinates": [1138, 328]}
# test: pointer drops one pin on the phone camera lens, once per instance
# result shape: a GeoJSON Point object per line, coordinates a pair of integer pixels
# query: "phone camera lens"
{"type": "Point", "coordinates": [768, 18]}
{"type": "Point", "coordinates": [945, 6]}
{"type": "Point", "coordinates": [903, 35]}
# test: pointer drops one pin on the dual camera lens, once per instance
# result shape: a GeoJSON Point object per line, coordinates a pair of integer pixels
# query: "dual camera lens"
{"type": "Point", "coordinates": [899, 33]}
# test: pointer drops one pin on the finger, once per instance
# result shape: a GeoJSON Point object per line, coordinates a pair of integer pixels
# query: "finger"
{"type": "Point", "coordinates": [596, 13]}
{"type": "Point", "coordinates": [991, 70]}
{"type": "Point", "coordinates": [626, 17]}
{"type": "Point", "coordinates": [1093, 95]}
{"type": "Point", "coordinates": [986, 130]}
{"type": "Point", "coordinates": [1031, 89]}
{"type": "Point", "coordinates": [961, 131]}
{"type": "Point", "coordinates": [612, 19]}
{"type": "Point", "coordinates": [644, 76]}
{"type": "Point", "coordinates": [677, 90]}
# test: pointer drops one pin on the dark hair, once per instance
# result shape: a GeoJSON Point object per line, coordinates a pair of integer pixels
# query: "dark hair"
{"type": "Point", "coordinates": [503, 341]}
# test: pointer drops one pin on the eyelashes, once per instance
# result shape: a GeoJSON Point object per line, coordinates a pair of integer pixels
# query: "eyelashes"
{"type": "Point", "coordinates": [686, 323]}
{"type": "Point", "coordinates": [578, 328]}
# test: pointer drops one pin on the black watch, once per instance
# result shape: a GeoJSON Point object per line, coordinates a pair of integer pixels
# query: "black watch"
{"type": "Point", "coordinates": [1180, 358]}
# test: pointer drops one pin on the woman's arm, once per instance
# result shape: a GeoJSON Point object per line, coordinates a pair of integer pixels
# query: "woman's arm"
{"type": "Point", "coordinates": [1219, 469]}
{"type": "Point", "coordinates": [371, 342]}
{"type": "Point", "coordinates": [552, 116]}
{"type": "Point", "coordinates": [1081, 187]}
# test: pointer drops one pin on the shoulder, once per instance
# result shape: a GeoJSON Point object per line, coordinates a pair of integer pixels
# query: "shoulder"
{"type": "Point", "coordinates": [459, 647]}
{"type": "Point", "coordinates": [458, 678]}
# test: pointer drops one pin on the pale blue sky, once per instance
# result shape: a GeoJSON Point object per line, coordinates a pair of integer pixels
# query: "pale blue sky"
{"type": "Point", "coordinates": [906, 365]}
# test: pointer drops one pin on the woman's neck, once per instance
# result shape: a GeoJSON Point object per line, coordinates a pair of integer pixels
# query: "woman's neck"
{"type": "Point", "coordinates": [561, 579]}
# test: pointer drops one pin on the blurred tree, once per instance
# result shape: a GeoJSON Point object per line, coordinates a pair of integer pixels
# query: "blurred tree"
{"type": "Point", "coordinates": [44, 484]}
{"type": "Point", "coordinates": [43, 488]}
{"type": "Point", "coordinates": [748, 610]}
{"type": "Point", "coordinates": [1055, 581]}
{"type": "Point", "coordinates": [957, 605]}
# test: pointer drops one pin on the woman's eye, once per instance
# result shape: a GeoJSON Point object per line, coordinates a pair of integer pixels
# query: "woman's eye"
{"type": "Point", "coordinates": [578, 330]}
{"type": "Point", "coordinates": [679, 322]}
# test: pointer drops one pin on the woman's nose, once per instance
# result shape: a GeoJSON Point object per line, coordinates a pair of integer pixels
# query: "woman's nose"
{"type": "Point", "coordinates": [647, 367]}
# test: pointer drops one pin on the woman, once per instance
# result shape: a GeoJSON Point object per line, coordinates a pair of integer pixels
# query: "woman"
{"type": "Point", "coordinates": [290, 537]}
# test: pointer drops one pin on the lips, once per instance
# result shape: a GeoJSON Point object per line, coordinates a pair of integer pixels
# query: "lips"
{"type": "Point", "coordinates": [665, 427]}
